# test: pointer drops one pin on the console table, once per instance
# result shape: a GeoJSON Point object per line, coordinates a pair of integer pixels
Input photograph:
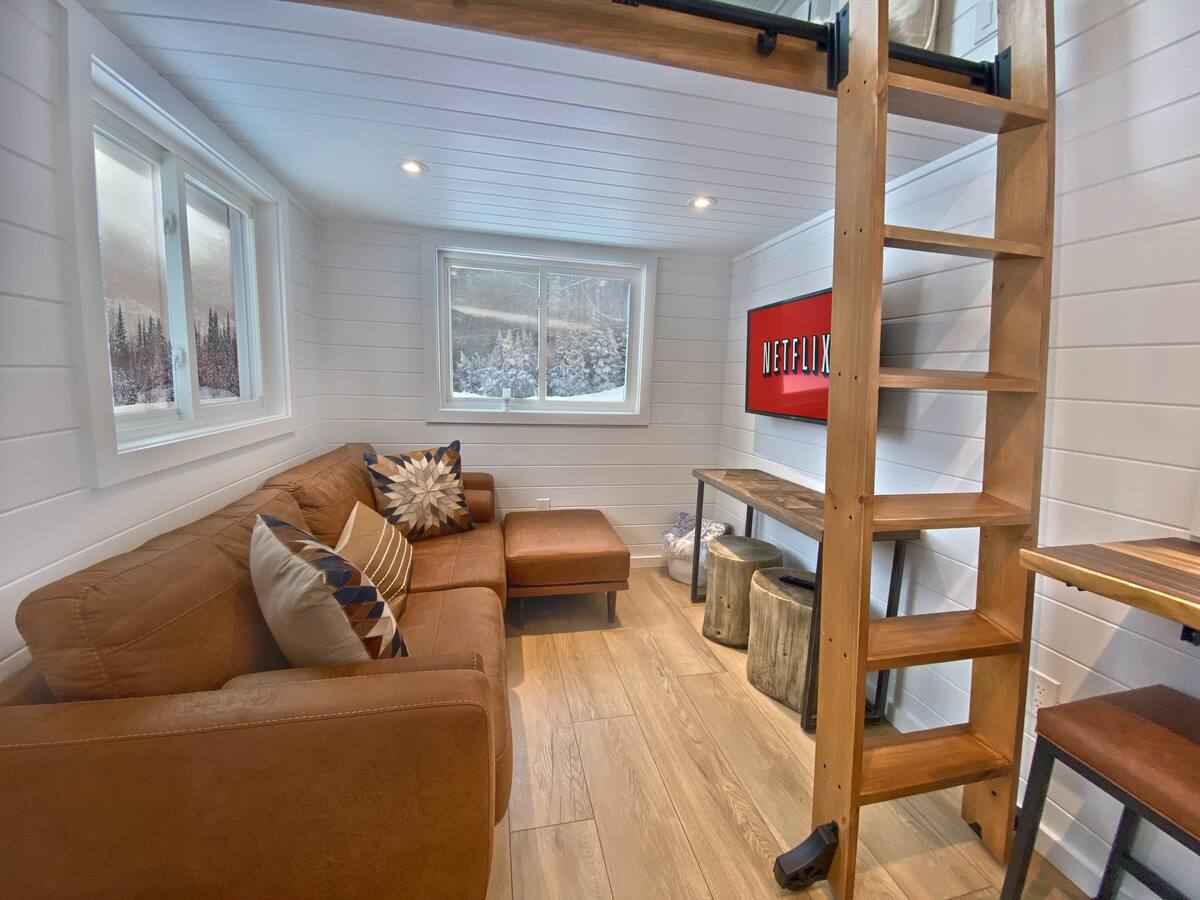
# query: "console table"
{"type": "Point", "coordinates": [802, 509]}
{"type": "Point", "coordinates": [1161, 576]}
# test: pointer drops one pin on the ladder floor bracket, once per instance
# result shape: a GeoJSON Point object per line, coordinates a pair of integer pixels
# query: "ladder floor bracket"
{"type": "Point", "coordinates": [807, 863]}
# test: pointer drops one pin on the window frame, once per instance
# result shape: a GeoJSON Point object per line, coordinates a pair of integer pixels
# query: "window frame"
{"type": "Point", "coordinates": [99, 67]}
{"type": "Point", "coordinates": [176, 170]}
{"type": "Point", "coordinates": [442, 250]}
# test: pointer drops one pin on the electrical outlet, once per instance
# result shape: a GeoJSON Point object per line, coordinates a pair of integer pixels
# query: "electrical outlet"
{"type": "Point", "coordinates": [1043, 691]}
{"type": "Point", "coordinates": [985, 20]}
{"type": "Point", "coordinates": [543, 503]}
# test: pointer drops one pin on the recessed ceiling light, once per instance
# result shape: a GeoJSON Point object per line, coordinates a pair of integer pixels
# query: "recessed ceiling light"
{"type": "Point", "coordinates": [702, 202]}
{"type": "Point", "coordinates": [412, 167]}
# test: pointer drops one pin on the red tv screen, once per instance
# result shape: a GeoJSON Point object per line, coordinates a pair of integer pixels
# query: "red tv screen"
{"type": "Point", "coordinates": [787, 358]}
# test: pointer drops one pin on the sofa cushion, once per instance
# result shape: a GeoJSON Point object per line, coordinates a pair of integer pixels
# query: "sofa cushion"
{"type": "Point", "coordinates": [471, 559]}
{"type": "Point", "coordinates": [377, 547]}
{"type": "Point", "coordinates": [326, 488]}
{"type": "Point", "coordinates": [421, 491]}
{"type": "Point", "coordinates": [468, 620]}
{"type": "Point", "coordinates": [177, 614]}
{"type": "Point", "coordinates": [321, 608]}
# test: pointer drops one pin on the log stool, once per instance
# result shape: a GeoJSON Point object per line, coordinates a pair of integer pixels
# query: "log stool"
{"type": "Point", "coordinates": [1141, 747]}
{"type": "Point", "coordinates": [732, 561]}
{"type": "Point", "coordinates": [780, 620]}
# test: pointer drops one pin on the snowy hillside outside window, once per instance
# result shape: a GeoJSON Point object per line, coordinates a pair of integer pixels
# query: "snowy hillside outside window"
{"type": "Point", "coordinates": [176, 261]}
{"type": "Point", "coordinates": [538, 335]}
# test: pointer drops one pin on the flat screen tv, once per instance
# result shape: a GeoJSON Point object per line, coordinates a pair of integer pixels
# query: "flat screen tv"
{"type": "Point", "coordinates": [787, 358]}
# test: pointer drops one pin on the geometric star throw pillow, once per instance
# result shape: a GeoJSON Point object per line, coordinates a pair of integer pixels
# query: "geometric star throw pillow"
{"type": "Point", "coordinates": [421, 491]}
{"type": "Point", "coordinates": [321, 609]}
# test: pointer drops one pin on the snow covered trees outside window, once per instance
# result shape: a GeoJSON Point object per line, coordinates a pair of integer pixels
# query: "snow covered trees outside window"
{"type": "Point", "coordinates": [511, 363]}
{"type": "Point", "coordinates": [217, 359]}
{"type": "Point", "coordinates": [140, 362]}
{"type": "Point", "coordinates": [497, 314]}
{"type": "Point", "coordinates": [588, 362]}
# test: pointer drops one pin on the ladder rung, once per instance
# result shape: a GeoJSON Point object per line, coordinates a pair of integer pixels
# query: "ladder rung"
{"type": "Point", "coordinates": [952, 380]}
{"type": "Point", "coordinates": [899, 765]}
{"type": "Point", "coordinates": [936, 102]}
{"type": "Point", "coordinates": [957, 244]}
{"type": "Point", "coordinates": [900, 512]}
{"type": "Point", "coordinates": [923, 640]}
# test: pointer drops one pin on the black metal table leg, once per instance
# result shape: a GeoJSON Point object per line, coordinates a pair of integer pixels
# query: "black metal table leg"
{"type": "Point", "coordinates": [876, 710]}
{"type": "Point", "coordinates": [696, 541]}
{"type": "Point", "coordinates": [749, 520]}
{"type": "Point", "coordinates": [808, 714]}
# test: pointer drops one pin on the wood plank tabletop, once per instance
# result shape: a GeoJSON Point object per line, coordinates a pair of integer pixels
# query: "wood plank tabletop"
{"type": "Point", "coordinates": [795, 505]}
{"type": "Point", "coordinates": [1161, 576]}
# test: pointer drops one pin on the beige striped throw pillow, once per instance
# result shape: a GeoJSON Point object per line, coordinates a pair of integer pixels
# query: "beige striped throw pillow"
{"type": "Point", "coordinates": [376, 546]}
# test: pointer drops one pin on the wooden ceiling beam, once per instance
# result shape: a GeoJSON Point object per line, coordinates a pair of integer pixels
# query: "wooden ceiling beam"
{"type": "Point", "coordinates": [644, 33]}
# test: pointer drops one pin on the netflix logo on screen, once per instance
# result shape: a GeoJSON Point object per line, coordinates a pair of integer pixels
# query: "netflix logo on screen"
{"type": "Point", "coordinates": [787, 358]}
{"type": "Point", "coordinates": [799, 354]}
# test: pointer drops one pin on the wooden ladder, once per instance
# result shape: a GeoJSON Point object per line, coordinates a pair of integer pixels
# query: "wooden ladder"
{"type": "Point", "coordinates": [983, 754]}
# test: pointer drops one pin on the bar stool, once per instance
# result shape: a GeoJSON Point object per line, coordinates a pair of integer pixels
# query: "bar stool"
{"type": "Point", "coordinates": [1141, 747]}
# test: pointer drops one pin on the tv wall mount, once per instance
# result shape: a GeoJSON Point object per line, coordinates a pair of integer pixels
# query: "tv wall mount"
{"type": "Point", "coordinates": [833, 39]}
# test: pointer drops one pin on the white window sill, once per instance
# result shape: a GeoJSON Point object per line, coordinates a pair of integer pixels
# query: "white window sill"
{"type": "Point", "coordinates": [536, 417]}
{"type": "Point", "coordinates": [116, 464]}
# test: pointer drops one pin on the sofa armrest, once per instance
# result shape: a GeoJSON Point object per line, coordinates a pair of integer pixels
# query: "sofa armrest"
{"type": "Point", "coordinates": [480, 488]}
{"type": "Point", "coordinates": [327, 787]}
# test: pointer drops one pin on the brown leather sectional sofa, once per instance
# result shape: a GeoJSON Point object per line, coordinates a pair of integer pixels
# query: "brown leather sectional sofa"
{"type": "Point", "coordinates": [160, 746]}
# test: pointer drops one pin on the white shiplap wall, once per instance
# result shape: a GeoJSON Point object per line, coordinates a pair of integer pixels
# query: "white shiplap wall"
{"type": "Point", "coordinates": [51, 522]}
{"type": "Point", "coordinates": [360, 351]}
{"type": "Point", "coordinates": [1123, 422]}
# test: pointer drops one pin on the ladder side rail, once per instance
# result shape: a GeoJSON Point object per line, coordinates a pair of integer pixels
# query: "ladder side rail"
{"type": "Point", "coordinates": [851, 440]}
{"type": "Point", "coordinates": [1015, 428]}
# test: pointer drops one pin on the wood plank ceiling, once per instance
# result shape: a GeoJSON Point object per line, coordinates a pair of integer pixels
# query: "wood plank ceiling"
{"type": "Point", "coordinates": [519, 137]}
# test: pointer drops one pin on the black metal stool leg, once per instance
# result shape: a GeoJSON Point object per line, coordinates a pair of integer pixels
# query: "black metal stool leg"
{"type": "Point", "coordinates": [1030, 819]}
{"type": "Point", "coordinates": [1126, 829]}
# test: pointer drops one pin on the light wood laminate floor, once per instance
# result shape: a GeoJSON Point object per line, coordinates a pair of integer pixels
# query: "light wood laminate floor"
{"type": "Point", "coordinates": [647, 766]}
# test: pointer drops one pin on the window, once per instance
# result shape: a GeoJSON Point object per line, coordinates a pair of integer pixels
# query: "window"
{"type": "Point", "coordinates": [177, 265]}
{"type": "Point", "coordinates": [521, 334]}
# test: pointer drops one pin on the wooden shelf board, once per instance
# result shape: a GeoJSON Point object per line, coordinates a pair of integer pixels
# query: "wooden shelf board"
{"type": "Point", "coordinates": [896, 512]}
{"type": "Point", "coordinates": [922, 640]}
{"type": "Point", "coordinates": [794, 505]}
{"type": "Point", "coordinates": [899, 765]}
{"type": "Point", "coordinates": [1161, 576]}
{"type": "Point", "coordinates": [951, 380]}
{"type": "Point", "coordinates": [936, 102]}
{"type": "Point", "coordinates": [901, 238]}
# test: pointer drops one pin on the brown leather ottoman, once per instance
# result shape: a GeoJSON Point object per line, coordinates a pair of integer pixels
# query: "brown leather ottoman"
{"type": "Point", "coordinates": [563, 551]}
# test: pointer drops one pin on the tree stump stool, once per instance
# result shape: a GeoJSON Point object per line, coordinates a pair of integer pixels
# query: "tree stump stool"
{"type": "Point", "coordinates": [732, 562]}
{"type": "Point", "coordinates": [780, 619]}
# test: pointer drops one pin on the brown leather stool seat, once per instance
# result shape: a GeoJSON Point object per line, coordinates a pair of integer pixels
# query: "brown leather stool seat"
{"type": "Point", "coordinates": [1147, 741]}
{"type": "Point", "coordinates": [1140, 746]}
{"type": "Point", "coordinates": [564, 551]}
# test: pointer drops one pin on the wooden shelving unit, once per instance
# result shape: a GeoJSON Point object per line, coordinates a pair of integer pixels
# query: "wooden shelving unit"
{"type": "Point", "coordinates": [982, 753]}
